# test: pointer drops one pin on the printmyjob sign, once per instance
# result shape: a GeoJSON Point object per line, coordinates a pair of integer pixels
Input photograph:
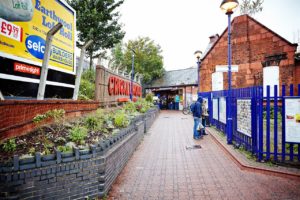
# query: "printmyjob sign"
{"type": "Point", "coordinates": [215, 109]}
{"type": "Point", "coordinates": [23, 28]}
{"type": "Point", "coordinates": [222, 110]}
{"type": "Point", "coordinates": [244, 116]}
{"type": "Point", "coordinates": [292, 120]}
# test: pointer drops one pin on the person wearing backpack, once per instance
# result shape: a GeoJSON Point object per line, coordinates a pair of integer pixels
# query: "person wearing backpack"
{"type": "Point", "coordinates": [196, 108]}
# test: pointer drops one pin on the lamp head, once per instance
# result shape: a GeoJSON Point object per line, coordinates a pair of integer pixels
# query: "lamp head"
{"type": "Point", "coordinates": [228, 6]}
{"type": "Point", "coordinates": [198, 55]}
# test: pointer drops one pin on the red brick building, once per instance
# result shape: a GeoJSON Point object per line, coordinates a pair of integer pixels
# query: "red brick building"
{"type": "Point", "coordinates": [254, 46]}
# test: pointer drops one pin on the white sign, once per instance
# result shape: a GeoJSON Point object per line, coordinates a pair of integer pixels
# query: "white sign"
{"type": "Point", "coordinates": [10, 30]}
{"type": "Point", "coordinates": [215, 109]}
{"type": "Point", "coordinates": [271, 78]}
{"type": "Point", "coordinates": [244, 116]}
{"type": "Point", "coordinates": [292, 120]}
{"type": "Point", "coordinates": [224, 68]}
{"type": "Point", "coordinates": [222, 109]}
{"type": "Point", "coordinates": [217, 81]}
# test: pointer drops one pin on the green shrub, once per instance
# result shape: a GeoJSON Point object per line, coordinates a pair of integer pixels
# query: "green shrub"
{"type": "Point", "coordinates": [149, 97]}
{"type": "Point", "coordinates": [130, 107]}
{"type": "Point", "coordinates": [87, 85]}
{"type": "Point", "coordinates": [56, 114]}
{"type": "Point", "coordinates": [10, 145]}
{"type": "Point", "coordinates": [93, 123]}
{"type": "Point", "coordinates": [78, 134]}
{"type": "Point", "coordinates": [142, 105]}
{"type": "Point", "coordinates": [121, 119]}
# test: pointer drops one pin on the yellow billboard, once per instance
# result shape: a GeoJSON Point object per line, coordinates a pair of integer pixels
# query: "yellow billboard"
{"type": "Point", "coordinates": [23, 28]}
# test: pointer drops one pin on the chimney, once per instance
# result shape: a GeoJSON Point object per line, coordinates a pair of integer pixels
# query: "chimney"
{"type": "Point", "coordinates": [213, 38]}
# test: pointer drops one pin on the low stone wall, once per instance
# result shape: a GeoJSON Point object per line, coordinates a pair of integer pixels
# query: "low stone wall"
{"type": "Point", "coordinates": [76, 175]}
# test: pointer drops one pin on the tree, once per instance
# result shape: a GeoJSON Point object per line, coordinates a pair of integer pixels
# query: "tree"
{"type": "Point", "coordinates": [97, 20]}
{"type": "Point", "coordinates": [251, 7]}
{"type": "Point", "coordinates": [147, 61]}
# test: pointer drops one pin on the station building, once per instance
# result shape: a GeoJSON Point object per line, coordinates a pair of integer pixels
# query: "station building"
{"type": "Point", "coordinates": [181, 82]}
{"type": "Point", "coordinates": [262, 57]}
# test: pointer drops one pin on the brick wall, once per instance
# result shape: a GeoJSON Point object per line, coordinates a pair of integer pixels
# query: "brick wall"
{"type": "Point", "coordinates": [251, 43]}
{"type": "Point", "coordinates": [16, 116]}
{"type": "Point", "coordinates": [76, 175]}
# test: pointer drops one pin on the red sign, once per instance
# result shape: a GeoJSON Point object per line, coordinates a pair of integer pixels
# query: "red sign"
{"type": "Point", "coordinates": [118, 86]}
{"type": "Point", "coordinates": [28, 69]}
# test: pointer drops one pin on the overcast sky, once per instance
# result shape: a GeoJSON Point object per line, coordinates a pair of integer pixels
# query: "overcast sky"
{"type": "Point", "coordinates": [182, 27]}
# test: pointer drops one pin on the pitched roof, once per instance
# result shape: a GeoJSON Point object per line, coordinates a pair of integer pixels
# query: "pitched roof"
{"type": "Point", "coordinates": [180, 77]}
{"type": "Point", "coordinates": [211, 47]}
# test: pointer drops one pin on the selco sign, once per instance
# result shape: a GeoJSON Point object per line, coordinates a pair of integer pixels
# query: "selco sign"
{"type": "Point", "coordinates": [23, 28]}
{"type": "Point", "coordinates": [119, 86]}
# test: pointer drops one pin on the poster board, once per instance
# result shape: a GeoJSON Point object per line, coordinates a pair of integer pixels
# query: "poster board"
{"type": "Point", "coordinates": [292, 119]}
{"type": "Point", "coordinates": [215, 109]}
{"type": "Point", "coordinates": [23, 29]}
{"type": "Point", "coordinates": [244, 116]}
{"type": "Point", "coordinates": [222, 110]}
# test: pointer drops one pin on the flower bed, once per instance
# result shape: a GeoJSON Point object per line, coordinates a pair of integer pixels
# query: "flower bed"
{"type": "Point", "coordinates": [78, 172]}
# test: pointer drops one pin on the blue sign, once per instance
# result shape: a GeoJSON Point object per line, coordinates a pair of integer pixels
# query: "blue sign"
{"type": "Point", "coordinates": [36, 46]}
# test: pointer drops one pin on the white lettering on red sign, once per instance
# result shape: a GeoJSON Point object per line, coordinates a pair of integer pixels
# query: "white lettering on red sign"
{"type": "Point", "coordinates": [10, 30]}
{"type": "Point", "coordinates": [19, 67]}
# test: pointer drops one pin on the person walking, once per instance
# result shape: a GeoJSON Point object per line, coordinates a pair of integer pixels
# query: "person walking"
{"type": "Point", "coordinates": [196, 108]}
{"type": "Point", "coordinates": [204, 116]}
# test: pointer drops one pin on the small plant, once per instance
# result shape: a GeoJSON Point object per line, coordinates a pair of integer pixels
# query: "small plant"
{"type": "Point", "coordinates": [92, 123]}
{"type": "Point", "coordinates": [78, 134]}
{"type": "Point", "coordinates": [64, 149]}
{"type": "Point", "coordinates": [10, 145]}
{"type": "Point", "coordinates": [121, 119]}
{"type": "Point", "coordinates": [149, 97]}
{"type": "Point", "coordinates": [37, 119]}
{"type": "Point", "coordinates": [56, 114]}
{"type": "Point", "coordinates": [31, 151]}
{"type": "Point", "coordinates": [130, 107]}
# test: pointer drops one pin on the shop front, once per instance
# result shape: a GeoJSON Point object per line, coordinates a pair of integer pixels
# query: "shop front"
{"type": "Point", "coordinates": [175, 89]}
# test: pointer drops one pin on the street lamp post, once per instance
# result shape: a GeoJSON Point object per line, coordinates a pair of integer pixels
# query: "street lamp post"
{"type": "Point", "coordinates": [228, 6]}
{"type": "Point", "coordinates": [132, 75]}
{"type": "Point", "coordinates": [198, 55]}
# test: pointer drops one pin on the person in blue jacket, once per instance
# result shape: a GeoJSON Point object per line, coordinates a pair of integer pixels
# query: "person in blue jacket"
{"type": "Point", "coordinates": [196, 108]}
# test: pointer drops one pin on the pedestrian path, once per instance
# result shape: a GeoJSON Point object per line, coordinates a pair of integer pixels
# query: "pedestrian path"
{"type": "Point", "coordinates": [167, 166]}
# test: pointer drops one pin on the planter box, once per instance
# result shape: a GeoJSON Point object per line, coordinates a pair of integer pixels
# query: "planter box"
{"type": "Point", "coordinates": [88, 172]}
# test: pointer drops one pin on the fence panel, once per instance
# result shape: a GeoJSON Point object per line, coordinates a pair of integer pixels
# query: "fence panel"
{"type": "Point", "coordinates": [267, 136]}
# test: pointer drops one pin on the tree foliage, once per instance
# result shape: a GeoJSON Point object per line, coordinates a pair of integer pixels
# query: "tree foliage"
{"type": "Point", "coordinates": [251, 7]}
{"type": "Point", "coordinates": [148, 60]}
{"type": "Point", "coordinates": [98, 20]}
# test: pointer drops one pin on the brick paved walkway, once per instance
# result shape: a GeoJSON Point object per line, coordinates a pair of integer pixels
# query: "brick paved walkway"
{"type": "Point", "coordinates": [163, 168]}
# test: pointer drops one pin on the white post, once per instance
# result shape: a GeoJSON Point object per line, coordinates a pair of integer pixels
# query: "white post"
{"type": "Point", "coordinates": [44, 73]}
{"type": "Point", "coordinates": [1, 96]}
{"type": "Point", "coordinates": [79, 70]}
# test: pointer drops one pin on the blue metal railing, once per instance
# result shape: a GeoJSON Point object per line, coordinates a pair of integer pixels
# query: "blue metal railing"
{"type": "Point", "coordinates": [268, 135]}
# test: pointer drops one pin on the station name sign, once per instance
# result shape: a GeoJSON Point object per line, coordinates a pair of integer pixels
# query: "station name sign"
{"type": "Point", "coordinates": [119, 86]}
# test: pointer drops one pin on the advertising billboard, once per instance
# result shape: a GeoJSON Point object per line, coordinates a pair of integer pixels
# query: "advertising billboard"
{"type": "Point", "coordinates": [23, 28]}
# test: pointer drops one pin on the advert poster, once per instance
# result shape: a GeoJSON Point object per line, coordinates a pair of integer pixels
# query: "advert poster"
{"type": "Point", "coordinates": [223, 110]}
{"type": "Point", "coordinates": [215, 109]}
{"type": "Point", "coordinates": [244, 116]}
{"type": "Point", "coordinates": [292, 120]}
{"type": "Point", "coordinates": [23, 28]}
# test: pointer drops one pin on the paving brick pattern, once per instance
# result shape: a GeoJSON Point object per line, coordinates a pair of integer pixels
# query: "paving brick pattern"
{"type": "Point", "coordinates": [164, 167]}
